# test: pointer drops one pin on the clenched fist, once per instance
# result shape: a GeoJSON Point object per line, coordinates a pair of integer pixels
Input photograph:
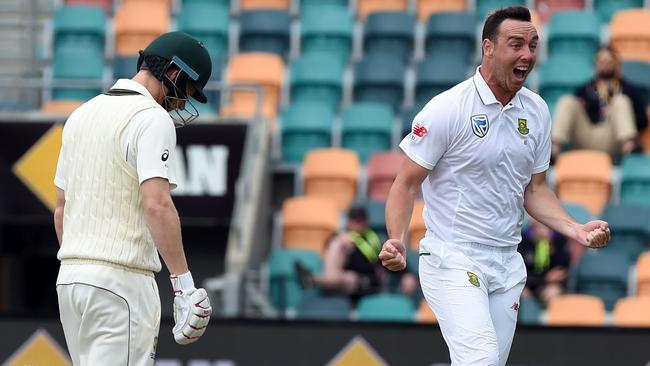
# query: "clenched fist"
{"type": "Point", "coordinates": [594, 234]}
{"type": "Point", "coordinates": [393, 255]}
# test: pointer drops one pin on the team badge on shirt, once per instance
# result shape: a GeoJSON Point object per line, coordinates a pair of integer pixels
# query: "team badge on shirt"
{"type": "Point", "coordinates": [523, 126]}
{"type": "Point", "coordinates": [480, 125]}
{"type": "Point", "coordinates": [473, 279]}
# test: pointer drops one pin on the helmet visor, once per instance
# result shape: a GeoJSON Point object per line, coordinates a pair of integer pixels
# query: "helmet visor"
{"type": "Point", "coordinates": [193, 75]}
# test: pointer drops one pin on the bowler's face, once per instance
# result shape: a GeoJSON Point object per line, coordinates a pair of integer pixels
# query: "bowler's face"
{"type": "Point", "coordinates": [515, 53]}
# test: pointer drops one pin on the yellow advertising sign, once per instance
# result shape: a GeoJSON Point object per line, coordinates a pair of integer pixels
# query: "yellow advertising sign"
{"type": "Point", "coordinates": [40, 349]}
{"type": "Point", "coordinates": [36, 168]}
{"type": "Point", "coordinates": [357, 353]}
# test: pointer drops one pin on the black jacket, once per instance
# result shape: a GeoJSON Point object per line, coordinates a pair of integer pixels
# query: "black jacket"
{"type": "Point", "coordinates": [589, 94]}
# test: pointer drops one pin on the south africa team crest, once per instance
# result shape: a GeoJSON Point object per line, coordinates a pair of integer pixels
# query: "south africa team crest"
{"type": "Point", "coordinates": [473, 279]}
{"type": "Point", "coordinates": [523, 126]}
{"type": "Point", "coordinates": [480, 125]}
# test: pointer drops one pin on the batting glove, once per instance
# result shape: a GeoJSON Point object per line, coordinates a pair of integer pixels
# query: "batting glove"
{"type": "Point", "coordinates": [191, 309]}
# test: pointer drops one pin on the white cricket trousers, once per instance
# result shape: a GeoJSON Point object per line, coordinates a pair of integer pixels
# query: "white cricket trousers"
{"type": "Point", "coordinates": [474, 291]}
{"type": "Point", "coordinates": [110, 316]}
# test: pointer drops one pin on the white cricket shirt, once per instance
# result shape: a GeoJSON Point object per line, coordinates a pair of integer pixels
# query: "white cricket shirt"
{"type": "Point", "coordinates": [481, 156]}
{"type": "Point", "coordinates": [147, 142]}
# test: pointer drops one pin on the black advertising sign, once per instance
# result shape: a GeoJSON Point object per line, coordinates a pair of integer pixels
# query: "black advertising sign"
{"type": "Point", "coordinates": [240, 342]}
{"type": "Point", "coordinates": [208, 158]}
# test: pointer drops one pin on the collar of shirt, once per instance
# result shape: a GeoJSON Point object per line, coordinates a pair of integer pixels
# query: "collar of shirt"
{"type": "Point", "coordinates": [487, 97]}
{"type": "Point", "coordinates": [132, 85]}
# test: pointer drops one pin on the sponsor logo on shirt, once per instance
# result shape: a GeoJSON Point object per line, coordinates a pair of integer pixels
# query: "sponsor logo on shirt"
{"type": "Point", "coordinates": [480, 125]}
{"type": "Point", "coordinates": [419, 130]}
{"type": "Point", "coordinates": [515, 307]}
{"type": "Point", "coordinates": [165, 155]}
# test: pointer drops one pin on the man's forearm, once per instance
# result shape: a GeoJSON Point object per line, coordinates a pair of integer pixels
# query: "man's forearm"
{"type": "Point", "coordinates": [399, 208]}
{"type": "Point", "coordinates": [58, 223]}
{"type": "Point", "coordinates": [165, 229]}
{"type": "Point", "coordinates": [543, 205]}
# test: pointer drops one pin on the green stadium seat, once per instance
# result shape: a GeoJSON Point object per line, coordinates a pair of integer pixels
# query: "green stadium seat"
{"type": "Point", "coordinates": [377, 217]}
{"type": "Point", "coordinates": [574, 32]}
{"type": "Point", "coordinates": [408, 114]}
{"type": "Point", "coordinates": [529, 311]}
{"type": "Point", "coordinates": [635, 181]}
{"type": "Point", "coordinates": [379, 79]}
{"type": "Point", "coordinates": [578, 211]}
{"type": "Point", "coordinates": [484, 7]}
{"type": "Point", "coordinates": [603, 274]}
{"type": "Point", "coordinates": [607, 8]}
{"type": "Point", "coordinates": [209, 22]}
{"type": "Point", "coordinates": [435, 74]}
{"type": "Point", "coordinates": [561, 75]}
{"type": "Point", "coordinates": [367, 128]}
{"type": "Point", "coordinates": [631, 227]}
{"type": "Point", "coordinates": [124, 67]}
{"type": "Point", "coordinates": [323, 307]}
{"type": "Point", "coordinates": [452, 35]}
{"type": "Point", "coordinates": [386, 307]}
{"type": "Point", "coordinates": [284, 287]}
{"type": "Point", "coordinates": [324, 86]}
{"type": "Point", "coordinates": [75, 24]}
{"type": "Point", "coordinates": [389, 34]}
{"type": "Point", "coordinates": [328, 29]}
{"type": "Point", "coordinates": [305, 126]}
{"type": "Point", "coordinates": [306, 5]}
{"type": "Point", "coordinates": [78, 50]}
{"type": "Point", "coordinates": [265, 31]}
{"type": "Point", "coordinates": [638, 73]}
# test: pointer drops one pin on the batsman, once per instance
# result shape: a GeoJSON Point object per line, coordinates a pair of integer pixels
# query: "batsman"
{"type": "Point", "coordinates": [114, 213]}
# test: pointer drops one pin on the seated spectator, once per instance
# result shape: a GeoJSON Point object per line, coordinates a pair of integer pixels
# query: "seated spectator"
{"type": "Point", "coordinates": [606, 114]}
{"type": "Point", "coordinates": [547, 258]}
{"type": "Point", "coordinates": [351, 263]}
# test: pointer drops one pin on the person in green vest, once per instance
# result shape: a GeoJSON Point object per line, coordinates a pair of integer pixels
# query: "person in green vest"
{"type": "Point", "coordinates": [547, 257]}
{"type": "Point", "coordinates": [351, 262]}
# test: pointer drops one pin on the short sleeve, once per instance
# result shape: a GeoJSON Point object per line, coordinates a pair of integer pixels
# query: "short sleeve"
{"type": "Point", "coordinates": [155, 143]}
{"type": "Point", "coordinates": [543, 151]}
{"type": "Point", "coordinates": [429, 136]}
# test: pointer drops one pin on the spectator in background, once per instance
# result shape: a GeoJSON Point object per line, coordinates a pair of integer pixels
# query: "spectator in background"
{"type": "Point", "coordinates": [606, 114]}
{"type": "Point", "coordinates": [547, 259]}
{"type": "Point", "coordinates": [351, 264]}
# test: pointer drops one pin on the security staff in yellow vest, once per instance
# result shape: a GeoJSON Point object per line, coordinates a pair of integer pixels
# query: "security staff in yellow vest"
{"type": "Point", "coordinates": [351, 262]}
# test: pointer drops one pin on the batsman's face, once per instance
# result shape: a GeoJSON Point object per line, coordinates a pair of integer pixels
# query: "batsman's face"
{"type": "Point", "coordinates": [180, 103]}
{"type": "Point", "coordinates": [514, 53]}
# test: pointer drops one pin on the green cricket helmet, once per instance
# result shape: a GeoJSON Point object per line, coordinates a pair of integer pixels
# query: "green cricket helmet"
{"type": "Point", "coordinates": [185, 52]}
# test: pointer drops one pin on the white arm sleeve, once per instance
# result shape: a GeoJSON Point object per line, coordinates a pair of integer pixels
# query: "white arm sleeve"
{"type": "Point", "coordinates": [429, 137]}
{"type": "Point", "coordinates": [543, 151]}
{"type": "Point", "coordinates": [148, 144]}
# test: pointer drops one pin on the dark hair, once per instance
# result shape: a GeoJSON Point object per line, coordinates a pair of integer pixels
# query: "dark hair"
{"type": "Point", "coordinates": [491, 26]}
{"type": "Point", "coordinates": [357, 213]}
{"type": "Point", "coordinates": [609, 49]}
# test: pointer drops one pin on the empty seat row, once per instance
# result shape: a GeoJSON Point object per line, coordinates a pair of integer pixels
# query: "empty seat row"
{"type": "Point", "coordinates": [584, 176]}
{"type": "Point", "coordinates": [585, 310]}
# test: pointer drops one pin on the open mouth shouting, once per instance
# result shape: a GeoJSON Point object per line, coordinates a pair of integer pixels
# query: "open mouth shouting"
{"type": "Point", "coordinates": [520, 73]}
